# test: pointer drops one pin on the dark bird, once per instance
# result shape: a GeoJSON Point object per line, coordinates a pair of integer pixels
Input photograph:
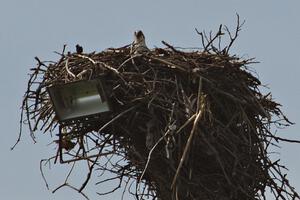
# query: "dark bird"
{"type": "Point", "coordinates": [79, 49]}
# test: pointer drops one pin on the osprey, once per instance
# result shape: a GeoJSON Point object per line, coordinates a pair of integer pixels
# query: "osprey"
{"type": "Point", "coordinates": [139, 44]}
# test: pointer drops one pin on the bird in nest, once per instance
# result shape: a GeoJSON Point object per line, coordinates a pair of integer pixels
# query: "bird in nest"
{"type": "Point", "coordinates": [139, 44]}
{"type": "Point", "coordinates": [79, 49]}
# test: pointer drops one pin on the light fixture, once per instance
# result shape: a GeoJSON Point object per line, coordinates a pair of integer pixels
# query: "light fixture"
{"type": "Point", "coordinates": [76, 101]}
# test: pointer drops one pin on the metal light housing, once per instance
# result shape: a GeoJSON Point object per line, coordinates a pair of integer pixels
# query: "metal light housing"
{"type": "Point", "coordinates": [79, 100]}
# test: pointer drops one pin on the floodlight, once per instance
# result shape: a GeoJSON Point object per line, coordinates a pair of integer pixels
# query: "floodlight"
{"type": "Point", "coordinates": [78, 100]}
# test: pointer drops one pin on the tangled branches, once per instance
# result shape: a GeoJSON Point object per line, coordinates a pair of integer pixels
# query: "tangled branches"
{"type": "Point", "coordinates": [184, 125]}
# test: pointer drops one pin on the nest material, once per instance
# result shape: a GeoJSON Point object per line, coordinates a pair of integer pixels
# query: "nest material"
{"type": "Point", "coordinates": [184, 125]}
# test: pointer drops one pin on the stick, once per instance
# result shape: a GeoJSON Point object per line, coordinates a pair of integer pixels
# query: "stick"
{"type": "Point", "coordinates": [68, 70]}
{"type": "Point", "coordinates": [115, 118]}
{"type": "Point", "coordinates": [200, 111]}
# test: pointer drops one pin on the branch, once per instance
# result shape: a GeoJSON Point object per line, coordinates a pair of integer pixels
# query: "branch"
{"type": "Point", "coordinates": [234, 37]}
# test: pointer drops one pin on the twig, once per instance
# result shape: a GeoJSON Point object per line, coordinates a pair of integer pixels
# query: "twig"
{"type": "Point", "coordinates": [283, 139]}
{"type": "Point", "coordinates": [92, 166]}
{"type": "Point", "coordinates": [99, 62]}
{"type": "Point", "coordinates": [211, 40]}
{"type": "Point", "coordinates": [199, 114]}
{"type": "Point", "coordinates": [237, 30]}
{"type": "Point", "coordinates": [129, 59]}
{"type": "Point", "coordinates": [68, 70]}
{"type": "Point", "coordinates": [41, 170]}
{"type": "Point", "coordinates": [116, 117]}
{"type": "Point", "coordinates": [170, 64]}
{"type": "Point", "coordinates": [149, 155]}
{"type": "Point", "coordinates": [20, 127]}
{"type": "Point", "coordinates": [186, 123]}
{"type": "Point", "coordinates": [72, 187]}
{"type": "Point", "coordinates": [172, 48]}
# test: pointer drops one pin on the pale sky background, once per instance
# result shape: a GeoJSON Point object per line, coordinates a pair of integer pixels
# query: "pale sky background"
{"type": "Point", "coordinates": [37, 28]}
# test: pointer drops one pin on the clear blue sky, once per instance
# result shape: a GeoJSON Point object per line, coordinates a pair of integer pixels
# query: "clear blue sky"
{"type": "Point", "coordinates": [37, 28]}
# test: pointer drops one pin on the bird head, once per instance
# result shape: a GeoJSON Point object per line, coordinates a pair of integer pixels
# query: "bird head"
{"type": "Point", "coordinates": [139, 36]}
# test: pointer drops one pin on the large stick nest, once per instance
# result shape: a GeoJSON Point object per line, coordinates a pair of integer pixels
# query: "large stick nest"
{"type": "Point", "coordinates": [184, 125]}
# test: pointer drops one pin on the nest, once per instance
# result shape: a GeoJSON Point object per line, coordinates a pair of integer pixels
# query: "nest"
{"type": "Point", "coordinates": [184, 125]}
